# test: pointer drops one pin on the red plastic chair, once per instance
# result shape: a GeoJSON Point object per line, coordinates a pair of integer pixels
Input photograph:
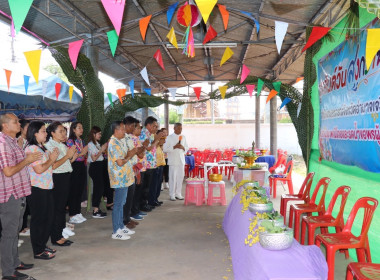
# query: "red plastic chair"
{"type": "Point", "coordinates": [296, 210]}
{"type": "Point", "coordinates": [303, 195]}
{"type": "Point", "coordinates": [198, 161]}
{"type": "Point", "coordinates": [363, 271]}
{"type": "Point", "coordinates": [326, 220]}
{"type": "Point", "coordinates": [347, 240]}
{"type": "Point", "coordinates": [281, 159]}
{"type": "Point", "coordinates": [287, 178]}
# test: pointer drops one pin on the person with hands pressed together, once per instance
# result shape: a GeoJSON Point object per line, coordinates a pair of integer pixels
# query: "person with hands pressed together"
{"type": "Point", "coordinates": [176, 147]}
{"type": "Point", "coordinates": [14, 188]}
{"type": "Point", "coordinates": [61, 179]}
{"type": "Point", "coordinates": [41, 199]}
{"type": "Point", "coordinates": [121, 177]}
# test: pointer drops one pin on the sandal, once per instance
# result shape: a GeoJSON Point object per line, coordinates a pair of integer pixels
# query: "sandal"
{"type": "Point", "coordinates": [45, 256]}
{"type": "Point", "coordinates": [50, 250]}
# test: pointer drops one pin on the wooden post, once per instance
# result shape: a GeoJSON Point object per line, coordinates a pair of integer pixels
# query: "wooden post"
{"type": "Point", "coordinates": [273, 126]}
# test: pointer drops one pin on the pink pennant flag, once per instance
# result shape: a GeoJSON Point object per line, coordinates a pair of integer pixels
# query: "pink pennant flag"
{"type": "Point", "coordinates": [57, 90]}
{"type": "Point", "coordinates": [250, 89]}
{"type": "Point", "coordinates": [244, 73]}
{"type": "Point", "coordinates": [158, 57]}
{"type": "Point", "coordinates": [115, 11]}
{"type": "Point", "coordinates": [74, 48]}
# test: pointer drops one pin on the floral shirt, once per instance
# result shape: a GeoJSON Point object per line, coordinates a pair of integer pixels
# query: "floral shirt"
{"type": "Point", "coordinates": [150, 155]}
{"type": "Point", "coordinates": [160, 157]}
{"type": "Point", "coordinates": [79, 143]}
{"type": "Point", "coordinates": [45, 179]}
{"type": "Point", "coordinates": [120, 176]}
{"type": "Point", "coordinates": [137, 143]}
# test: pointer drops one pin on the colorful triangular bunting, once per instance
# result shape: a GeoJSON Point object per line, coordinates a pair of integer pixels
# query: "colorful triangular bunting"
{"type": "Point", "coordinates": [8, 74]}
{"type": "Point", "coordinates": [132, 87]}
{"type": "Point", "coordinates": [34, 58]}
{"type": "Point", "coordinates": [74, 48]}
{"type": "Point", "coordinates": [205, 7]}
{"type": "Point", "coordinates": [277, 86]}
{"type": "Point", "coordinates": [121, 93]}
{"type": "Point", "coordinates": [19, 10]}
{"type": "Point", "coordinates": [57, 90]}
{"type": "Point", "coordinates": [226, 55]}
{"type": "Point", "coordinates": [144, 75]}
{"type": "Point", "coordinates": [172, 38]}
{"type": "Point", "coordinates": [250, 89]}
{"type": "Point", "coordinates": [244, 73]}
{"type": "Point", "coordinates": [26, 83]}
{"type": "Point", "coordinates": [115, 11]}
{"type": "Point", "coordinates": [143, 23]}
{"type": "Point", "coordinates": [286, 101]}
{"type": "Point", "coordinates": [254, 19]}
{"type": "Point", "coordinates": [113, 39]}
{"type": "Point", "coordinates": [211, 34]}
{"type": "Point", "coordinates": [197, 91]}
{"type": "Point", "coordinates": [173, 92]}
{"type": "Point", "coordinates": [317, 33]}
{"type": "Point", "coordinates": [223, 90]}
{"type": "Point", "coordinates": [170, 12]}
{"type": "Point", "coordinates": [280, 32]}
{"type": "Point", "coordinates": [272, 94]}
{"type": "Point", "coordinates": [260, 84]}
{"type": "Point", "coordinates": [158, 57]}
{"type": "Point", "coordinates": [372, 45]}
{"type": "Point", "coordinates": [71, 90]}
{"type": "Point", "coordinates": [225, 15]}
{"type": "Point", "coordinates": [148, 91]}
{"type": "Point", "coordinates": [110, 98]}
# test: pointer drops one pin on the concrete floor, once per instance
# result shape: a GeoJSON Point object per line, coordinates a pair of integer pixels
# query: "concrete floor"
{"type": "Point", "coordinates": [172, 242]}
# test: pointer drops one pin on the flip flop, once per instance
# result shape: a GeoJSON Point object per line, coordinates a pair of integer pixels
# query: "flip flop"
{"type": "Point", "coordinates": [45, 256]}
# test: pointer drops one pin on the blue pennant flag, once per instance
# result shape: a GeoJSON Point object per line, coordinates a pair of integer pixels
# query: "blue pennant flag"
{"type": "Point", "coordinates": [26, 83]}
{"type": "Point", "coordinates": [170, 12]}
{"type": "Point", "coordinates": [255, 20]}
{"type": "Point", "coordinates": [132, 87]}
{"type": "Point", "coordinates": [286, 101]}
{"type": "Point", "coordinates": [148, 91]}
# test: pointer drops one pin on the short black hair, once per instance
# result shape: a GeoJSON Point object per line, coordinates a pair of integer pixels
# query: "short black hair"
{"type": "Point", "coordinates": [129, 120]}
{"type": "Point", "coordinates": [115, 125]}
{"type": "Point", "coordinates": [150, 120]}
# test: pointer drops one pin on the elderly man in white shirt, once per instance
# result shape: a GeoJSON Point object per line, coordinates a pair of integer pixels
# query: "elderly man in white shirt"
{"type": "Point", "coordinates": [176, 148]}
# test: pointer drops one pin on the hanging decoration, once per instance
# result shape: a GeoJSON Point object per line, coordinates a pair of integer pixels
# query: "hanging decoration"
{"type": "Point", "coordinates": [205, 7]}
{"type": "Point", "coordinates": [144, 75]}
{"type": "Point", "coordinates": [317, 33]}
{"type": "Point", "coordinates": [115, 11]}
{"type": "Point", "coordinates": [173, 92]}
{"type": "Point", "coordinates": [372, 45]}
{"type": "Point", "coordinates": [57, 90]}
{"type": "Point", "coordinates": [110, 98]}
{"type": "Point", "coordinates": [286, 101]}
{"type": "Point", "coordinates": [148, 91]}
{"type": "Point", "coordinates": [244, 73]}
{"type": "Point", "coordinates": [74, 48]}
{"type": "Point", "coordinates": [272, 94]}
{"type": "Point", "coordinates": [226, 55]}
{"type": "Point", "coordinates": [8, 74]}
{"type": "Point", "coordinates": [225, 15]}
{"type": "Point", "coordinates": [223, 90]}
{"type": "Point", "coordinates": [250, 89]}
{"type": "Point", "coordinates": [197, 91]}
{"type": "Point", "coordinates": [132, 87]}
{"type": "Point", "coordinates": [71, 90]}
{"type": "Point", "coordinates": [170, 12]}
{"type": "Point", "coordinates": [34, 58]}
{"type": "Point", "coordinates": [113, 39]}
{"type": "Point", "coordinates": [280, 32]}
{"type": "Point", "coordinates": [143, 24]}
{"type": "Point", "coordinates": [299, 79]}
{"type": "Point", "coordinates": [188, 15]}
{"type": "Point", "coordinates": [26, 83]}
{"type": "Point", "coordinates": [260, 84]}
{"type": "Point", "coordinates": [188, 43]}
{"type": "Point", "coordinates": [121, 93]}
{"type": "Point", "coordinates": [257, 24]}
{"type": "Point", "coordinates": [211, 34]}
{"type": "Point", "coordinates": [19, 10]}
{"type": "Point", "coordinates": [172, 38]}
{"type": "Point", "coordinates": [158, 57]}
{"type": "Point", "coordinates": [277, 86]}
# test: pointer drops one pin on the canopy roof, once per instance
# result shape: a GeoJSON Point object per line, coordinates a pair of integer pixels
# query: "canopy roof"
{"type": "Point", "coordinates": [61, 22]}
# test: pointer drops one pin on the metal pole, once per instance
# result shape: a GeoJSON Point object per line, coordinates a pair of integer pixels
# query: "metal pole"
{"type": "Point", "coordinates": [166, 113]}
{"type": "Point", "coordinates": [273, 126]}
{"type": "Point", "coordinates": [92, 54]}
{"type": "Point", "coordinates": [257, 122]}
{"type": "Point", "coordinates": [212, 107]}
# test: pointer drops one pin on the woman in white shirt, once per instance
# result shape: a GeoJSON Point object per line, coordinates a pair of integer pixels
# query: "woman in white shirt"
{"type": "Point", "coordinates": [61, 178]}
{"type": "Point", "coordinates": [96, 170]}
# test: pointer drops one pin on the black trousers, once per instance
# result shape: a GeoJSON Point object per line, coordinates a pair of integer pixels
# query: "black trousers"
{"type": "Point", "coordinates": [26, 215]}
{"type": "Point", "coordinates": [42, 212]}
{"type": "Point", "coordinates": [166, 171]}
{"type": "Point", "coordinates": [153, 186]}
{"type": "Point", "coordinates": [60, 195]}
{"type": "Point", "coordinates": [96, 173]}
{"type": "Point", "coordinates": [137, 197]}
{"type": "Point", "coordinates": [160, 173]}
{"type": "Point", "coordinates": [149, 174]}
{"type": "Point", "coordinates": [107, 191]}
{"type": "Point", "coordinates": [128, 204]}
{"type": "Point", "coordinates": [77, 184]}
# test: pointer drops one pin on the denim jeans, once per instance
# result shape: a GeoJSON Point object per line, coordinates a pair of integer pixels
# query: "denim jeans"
{"type": "Point", "coordinates": [117, 212]}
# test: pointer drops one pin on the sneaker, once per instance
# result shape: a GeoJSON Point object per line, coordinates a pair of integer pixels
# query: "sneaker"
{"type": "Point", "coordinates": [119, 235]}
{"type": "Point", "coordinates": [81, 217]}
{"type": "Point", "coordinates": [25, 233]}
{"type": "Point", "coordinates": [166, 186]}
{"type": "Point", "coordinates": [137, 217]}
{"type": "Point", "coordinates": [180, 197]}
{"type": "Point", "coordinates": [75, 220]}
{"type": "Point", "coordinates": [64, 235]}
{"type": "Point", "coordinates": [172, 198]}
{"type": "Point", "coordinates": [99, 214]}
{"type": "Point", "coordinates": [20, 243]}
{"type": "Point", "coordinates": [141, 213]}
{"type": "Point", "coordinates": [70, 226]}
{"type": "Point", "coordinates": [68, 232]}
{"type": "Point", "coordinates": [128, 231]}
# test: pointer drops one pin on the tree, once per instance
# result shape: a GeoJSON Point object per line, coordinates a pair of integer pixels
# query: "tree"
{"type": "Point", "coordinates": [173, 116]}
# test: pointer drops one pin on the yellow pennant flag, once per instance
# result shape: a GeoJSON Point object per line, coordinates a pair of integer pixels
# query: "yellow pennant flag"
{"type": "Point", "coordinates": [226, 56]}
{"type": "Point", "coordinates": [272, 94]}
{"type": "Point", "coordinates": [205, 7]}
{"type": "Point", "coordinates": [71, 89]}
{"type": "Point", "coordinates": [372, 45]}
{"type": "Point", "coordinates": [34, 58]}
{"type": "Point", "coordinates": [172, 38]}
{"type": "Point", "coordinates": [223, 90]}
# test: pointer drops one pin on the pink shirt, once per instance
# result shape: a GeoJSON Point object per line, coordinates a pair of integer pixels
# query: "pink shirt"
{"type": "Point", "coordinates": [17, 185]}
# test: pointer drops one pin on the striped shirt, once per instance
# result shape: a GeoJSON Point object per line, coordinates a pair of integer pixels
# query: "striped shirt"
{"type": "Point", "coordinates": [17, 185]}
{"type": "Point", "coordinates": [79, 143]}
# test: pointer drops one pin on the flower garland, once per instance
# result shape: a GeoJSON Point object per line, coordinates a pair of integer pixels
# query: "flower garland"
{"type": "Point", "coordinates": [236, 188]}
{"type": "Point", "coordinates": [247, 197]}
{"type": "Point", "coordinates": [253, 233]}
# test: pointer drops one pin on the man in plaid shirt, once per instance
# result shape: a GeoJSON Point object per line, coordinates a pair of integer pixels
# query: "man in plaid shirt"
{"type": "Point", "coordinates": [14, 187]}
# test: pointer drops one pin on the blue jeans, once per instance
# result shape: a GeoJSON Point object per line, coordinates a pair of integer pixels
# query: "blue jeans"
{"type": "Point", "coordinates": [117, 212]}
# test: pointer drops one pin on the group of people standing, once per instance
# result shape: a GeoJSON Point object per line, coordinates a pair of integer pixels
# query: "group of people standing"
{"type": "Point", "coordinates": [46, 171]}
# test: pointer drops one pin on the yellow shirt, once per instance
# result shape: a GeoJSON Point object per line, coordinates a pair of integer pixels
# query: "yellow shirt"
{"type": "Point", "coordinates": [160, 157]}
